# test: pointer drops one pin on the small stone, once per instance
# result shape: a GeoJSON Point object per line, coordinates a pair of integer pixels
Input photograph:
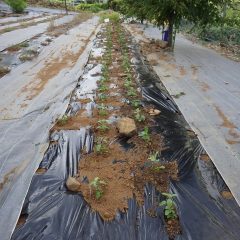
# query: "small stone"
{"type": "Point", "coordinates": [169, 222]}
{"type": "Point", "coordinates": [126, 126]}
{"type": "Point", "coordinates": [227, 194]}
{"type": "Point", "coordinates": [122, 75]}
{"type": "Point", "coordinates": [162, 44]}
{"type": "Point", "coordinates": [48, 40]}
{"type": "Point", "coordinates": [45, 43]}
{"type": "Point", "coordinates": [107, 215]}
{"type": "Point", "coordinates": [73, 184]}
{"type": "Point", "coordinates": [154, 112]}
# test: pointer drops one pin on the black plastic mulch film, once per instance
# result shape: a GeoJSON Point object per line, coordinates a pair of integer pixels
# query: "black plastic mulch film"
{"type": "Point", "coordinates": [53, 213]}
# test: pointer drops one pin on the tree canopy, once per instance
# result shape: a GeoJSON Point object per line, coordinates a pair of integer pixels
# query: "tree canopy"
{"type": "Point", "coordinates": [171, 12]}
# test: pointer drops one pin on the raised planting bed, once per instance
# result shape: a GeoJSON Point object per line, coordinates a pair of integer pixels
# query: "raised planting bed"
{"type": "Point", "coordinates": [123, 163]}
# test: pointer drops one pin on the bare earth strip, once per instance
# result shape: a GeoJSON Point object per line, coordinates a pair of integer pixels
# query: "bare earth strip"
{"type": "Point", "coordinates": [33, 95]}
{"type": "Point", "coordinates": [206, 88]}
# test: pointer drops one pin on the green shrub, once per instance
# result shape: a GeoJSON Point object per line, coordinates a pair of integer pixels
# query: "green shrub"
{"type": "Point", "coordinates": [224, 34]}
{"type": "Point", "coordinates": [91, 7]}
{"type": "Point", "coordinates": [115, 5]}
{"type": "Point", "coordinates": [113, 16]}
{"type": "Point", "coordinates": [17, 6]}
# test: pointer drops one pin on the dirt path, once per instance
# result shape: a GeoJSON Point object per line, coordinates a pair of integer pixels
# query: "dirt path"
{"type": "Point", "coordinates": [33, 95]}
{"type": "Point", "coordinates": [206, 88]}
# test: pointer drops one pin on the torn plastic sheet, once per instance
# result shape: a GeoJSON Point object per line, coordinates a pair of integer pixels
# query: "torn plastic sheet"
{"type": "Point", "coordinates": [55, 213]}
{"type": "Point", "coordinates": [24, 137]}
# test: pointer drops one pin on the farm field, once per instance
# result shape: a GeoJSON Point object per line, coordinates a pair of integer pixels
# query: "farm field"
{"type": "Point", "coordinates": [105, 134]}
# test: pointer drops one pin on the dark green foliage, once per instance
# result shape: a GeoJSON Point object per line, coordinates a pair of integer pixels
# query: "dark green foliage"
{"type": "Point", "coordinates": [171, 12]}
{"type": "Point", "coordinates": [92, 7]}
{"type": "Point", "coordinates": [223, 34]}
{"type": "Point", "coordinates": [17, 6]}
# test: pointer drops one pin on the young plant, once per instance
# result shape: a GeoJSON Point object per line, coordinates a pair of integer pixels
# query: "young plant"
{"type": "Point", "coordinates": [131, 92]}
{"type": "Point", "coordinates": [104, 79]}
{"type": "Point", "coordinates": [103, 88]}
{"type": "Point", "coordinates": [97, 184]}
{"type": "Point", "coordinates": [102, 125]}
{"type": "Point", "coordinates": [127, 67]}
{"type": "Point", "coordinates": [135, 103]}
{"type": "Point", "coordinates": [102, 110]}
{"type": "Point", "coordinates": [139, 116]}
{"type": "Point", "coordinates": [101, 146]}
{"type": "Point", "coordinates": [154, 157]}
{"type": "Point", "coordinates": [158, 168]}
{"type": "Point", "coordinates": [145, 134]}
{"type": "Point", "coordinates": [104, 68]}
{"type": "Point", "coordinates": [102, 96]}
{"type": "Point", "coordinates": [63, 120]}
{"type": "Point", "coordinates": [169, 206]}
{"type": "Point", "coordinates": [127, 83]}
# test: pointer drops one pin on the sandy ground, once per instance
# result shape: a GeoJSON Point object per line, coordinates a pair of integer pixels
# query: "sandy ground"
{"type": "Point", "coordinates": [206, 88]}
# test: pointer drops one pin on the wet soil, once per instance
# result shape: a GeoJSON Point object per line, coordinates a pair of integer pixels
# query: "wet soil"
{"type": "Point", "coordinates": [123, 164]}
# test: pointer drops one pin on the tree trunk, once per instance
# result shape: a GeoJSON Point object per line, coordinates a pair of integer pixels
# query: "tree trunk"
{"type": "Point", "coordinates": [66, 9]}
{"type": "Point", "coordinates": [170, 36]}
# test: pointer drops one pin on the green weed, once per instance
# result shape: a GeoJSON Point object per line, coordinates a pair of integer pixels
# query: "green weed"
{"type": "Point", "coordinates": [131, 92]}
{"type": "Point", "coordinates": [63, 120]}
{"type": "Point", "coordinates": [169, 206]}
{"type": "Point", "coordinates": [101, 146]}
{"type": "Point", "coordinates": [139, 116]}
{"type": "Point", "coordinates": [103, 88]}
{"type": "Point", "coordinates": [102, 96]}
{"type": "Point", "coordinates": [102, 125]}
{"type": "Point", "coordinates": [98, 185]}
{"type": "Point", "coordinates": [135, 103]}
{"type": "Point", "coordinates": [145, 134]}
{"type": "Point", "coordinates": [102, 110]}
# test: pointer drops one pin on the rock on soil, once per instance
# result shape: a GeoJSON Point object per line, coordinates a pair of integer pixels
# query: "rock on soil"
{"type": "Point", "coordinates": [126, 126]}
{"type": "Point", "coordinates": [160, 43]}
{"type": "Point", "coordinates": [73, 184]}
{"type": "Point", "coordinates": [154, 112]}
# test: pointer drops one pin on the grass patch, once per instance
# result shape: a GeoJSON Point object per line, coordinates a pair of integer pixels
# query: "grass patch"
{"type": "Point", "coordinates": [91, 7]}
{"type": "Point", "coordinates": [179, 95]}
{"type": "Point", "coordinates": [28, 55]}
{"type": "Point", "coordinates": [62, 29]}
{"type": "Point", "coordinates": [17, 47]}
{"type": "Point", "coordinates": [112, 16]}
{"type": "Point", "coordinates": [4, 71]}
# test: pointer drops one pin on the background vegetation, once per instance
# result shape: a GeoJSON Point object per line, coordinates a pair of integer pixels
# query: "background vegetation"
{"type": "Point", "coordinates": [17, 6]}
{"type": "Point", "coordinates": [216, 20]}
